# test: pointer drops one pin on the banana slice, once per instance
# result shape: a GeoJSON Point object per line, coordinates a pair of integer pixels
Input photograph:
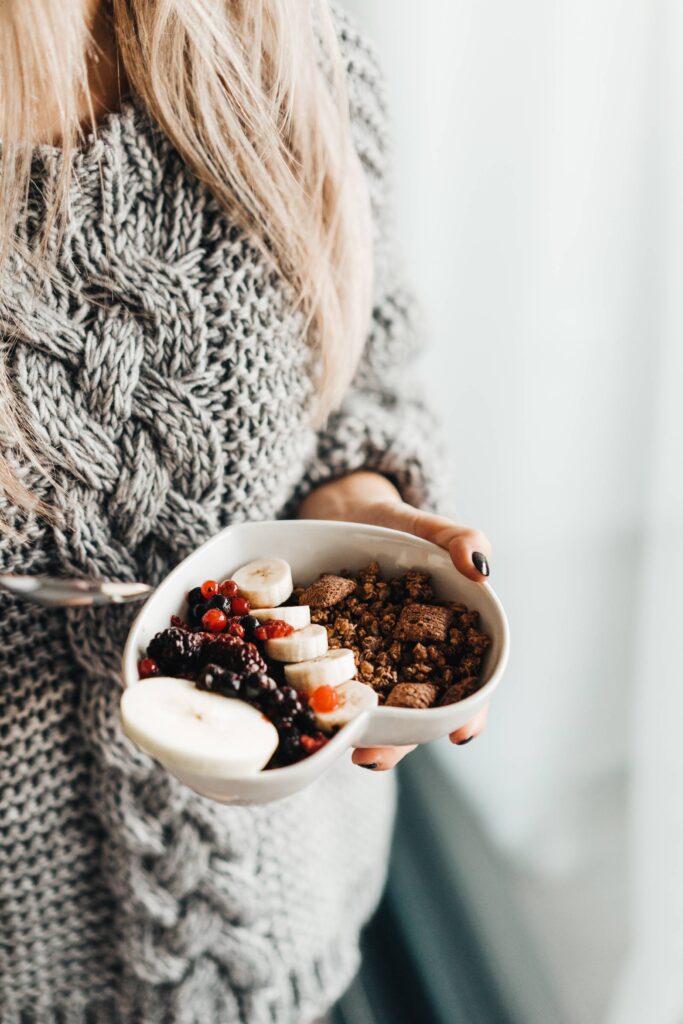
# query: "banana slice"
{"type": "Point", "coordinates": [265, 582]}
{"type": "Point", "coordinates": [354, 697]}
{"type": "Point", "coordinates": [301, 645]}
{"type": "Point", "coordinates": [330, 669]}
{"type": "Point", "coordinates": [297, 615]}
{"type": "Point", "coordinates": [188, 729]}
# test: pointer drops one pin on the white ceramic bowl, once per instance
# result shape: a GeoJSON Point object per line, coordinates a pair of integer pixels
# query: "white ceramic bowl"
{"type": "Point", "coordinates": [312, 547]}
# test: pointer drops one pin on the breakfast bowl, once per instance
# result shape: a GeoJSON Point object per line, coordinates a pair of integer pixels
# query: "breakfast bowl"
{"type": "Point", "coordinates": [312, 547]}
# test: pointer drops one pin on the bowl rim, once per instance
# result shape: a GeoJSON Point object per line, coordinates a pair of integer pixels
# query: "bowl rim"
{"type": "Point", "coordinates": [129, 659]}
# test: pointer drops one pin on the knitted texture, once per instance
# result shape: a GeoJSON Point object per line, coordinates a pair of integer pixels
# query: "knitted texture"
{"type": "Point", "coordinates": [164, 364]}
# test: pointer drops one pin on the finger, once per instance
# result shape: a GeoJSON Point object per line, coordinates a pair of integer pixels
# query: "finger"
{"type": "Point", "coordinates": [470, 729]}
{"type": "Point", "coordinates": [470, 549]}
{"type": "Point", "coordinates": [379, 759]}
{"type": "Point", "coordinates": [470, 552]}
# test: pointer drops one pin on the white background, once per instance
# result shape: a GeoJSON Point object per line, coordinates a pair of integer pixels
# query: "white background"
{"type": "Point", "coordinates": [539, 194]}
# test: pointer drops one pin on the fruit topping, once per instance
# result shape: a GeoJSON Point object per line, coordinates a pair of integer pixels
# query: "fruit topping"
{"type": "Point", "coordinates": [312, 743]}
{"type": "Point", "coordinates": [190, 730]}
{"type": "Point", "coordinates": [148, 667]}
{"type": "Point", "coordinates": [208, 589]}
{"type": "Point", "coordinates": [175, 650]}
{"type": "Point", "coordinates": [249, 624]}
{"type": "Point", "coordinates": [240, 606]}
{"type": "Point", "coordinates": [325, 698]}
{"type": "Point", "coordinates": [265, 582]}
{"type": "Point", "coordinates": [235, 628]}
{"type": "Point", "coordinates": [273, 628]}
{"type": "Point", "coordinates": [214, 620]}
{"type": "Point", "coordinates": [228, 588]}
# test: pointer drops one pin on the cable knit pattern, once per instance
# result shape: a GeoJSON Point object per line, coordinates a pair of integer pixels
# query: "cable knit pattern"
{"type": "Point", "coordinates": [164, 364]}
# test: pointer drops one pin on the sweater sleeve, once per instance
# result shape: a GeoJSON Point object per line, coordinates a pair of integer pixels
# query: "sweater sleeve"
{"type": "Point", "coordinates": [384, 423]}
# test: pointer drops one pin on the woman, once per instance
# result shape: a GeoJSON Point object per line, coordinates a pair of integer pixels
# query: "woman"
{"type": "Point", "coordinates": [188, 338]}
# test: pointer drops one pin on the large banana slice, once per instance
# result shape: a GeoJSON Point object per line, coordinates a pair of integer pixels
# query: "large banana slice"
{"type": "Point", "coordinates": [265, 582]}
{"type": "Point", "coordinates": [297, 615]}
{"type": "Point", "coordinates": [330, 669]}
{"type": "Point", "coordinates": [354, 697]}
{"type": "Point", "coordinates": [189, 729]}
{"type": "Point", "coordinates": [301, 645]}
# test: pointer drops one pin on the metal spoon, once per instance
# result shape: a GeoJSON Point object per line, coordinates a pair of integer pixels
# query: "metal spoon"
{"type": "Point", "coordinates": [70, 593]}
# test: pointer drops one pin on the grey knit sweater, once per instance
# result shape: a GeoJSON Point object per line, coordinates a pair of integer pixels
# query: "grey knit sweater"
{"type": "Point", "coordinates": [164, 366]}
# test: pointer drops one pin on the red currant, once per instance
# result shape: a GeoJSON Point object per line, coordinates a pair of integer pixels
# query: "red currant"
{"type": "Point", "coordinates": [240, 606]}
{"type": "Point", "coordinates": [235, 628]}
{"type": "Point", "coordinates": [179, 623]}
{"type": "Point", "coordinates": [214, 620]}
{"type": "Point", "coordinates": [228, 588]}
{"type": "Point", "coordinates": [208, 589]}
{"type": "Point", "coordinates": [261, 633]}
{"type": "Point", "coordinates": [148, 667]}
{"type": "Point", "coordinates": [312, 743]}
{"type": "Point", "coordinates": [324, 699]}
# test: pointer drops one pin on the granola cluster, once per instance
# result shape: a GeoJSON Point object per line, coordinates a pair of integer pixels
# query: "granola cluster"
{"type": "Point", "coordinates": [413, 649]}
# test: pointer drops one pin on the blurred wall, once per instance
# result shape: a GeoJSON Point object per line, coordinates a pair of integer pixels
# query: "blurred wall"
{"type": "Point", "coordinates": [529, 200]}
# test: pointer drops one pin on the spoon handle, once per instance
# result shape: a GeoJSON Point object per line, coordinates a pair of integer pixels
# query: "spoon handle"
{"type": "Point", "coordinates": [69, 593]}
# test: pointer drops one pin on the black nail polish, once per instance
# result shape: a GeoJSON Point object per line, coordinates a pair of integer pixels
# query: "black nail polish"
{"type": "Point", "coordinates": [461, 743]}
{"type": "Point", "coordinates": [371, 766]}
{"type": "Point", "coordinates": [480, 563]}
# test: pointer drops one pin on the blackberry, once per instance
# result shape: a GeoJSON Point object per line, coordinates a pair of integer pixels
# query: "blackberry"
{"type": "Point", "coordinates": [258, 685]}
{"type": "Point", "coordinates": [277, 699]}
{"type": "Point", "coordinates": [211, 678]}
{"type": "Point", "coordinates": [291, 747]}
{"type": "Point", "coordinates": [217, 679]}
{"type": "Point", "coordinates": [241, 658]}
{"type": "Point", "coordinates": [215, 648]}
{"type": "Point", "coordinates": [175, 650]}
{"type": "Point", "coordinates": [306, 721]}
{"type": "Point", "coordinates": [249, 624]}
{"type": "Point", "coordinates": [291, 696]}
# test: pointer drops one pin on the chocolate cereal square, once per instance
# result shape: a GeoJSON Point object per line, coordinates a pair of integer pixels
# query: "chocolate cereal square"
{"type": "Point", "coordinates": [327, 591]}
{"type": "Point", "coordinates": [423, 622]}
{"type": "Point", "coordinates": [412, 695]}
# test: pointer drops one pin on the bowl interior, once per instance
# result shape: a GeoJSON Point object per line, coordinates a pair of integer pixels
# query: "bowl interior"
{"type": "Point", "coordinates": [312, 547]}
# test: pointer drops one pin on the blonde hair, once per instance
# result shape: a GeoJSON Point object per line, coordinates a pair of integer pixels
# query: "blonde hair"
{"type": "Point", "coordinates": [252, 94]}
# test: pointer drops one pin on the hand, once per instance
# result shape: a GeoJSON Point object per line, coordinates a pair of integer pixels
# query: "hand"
{"type": "Point", "coordinates": [370, 498]}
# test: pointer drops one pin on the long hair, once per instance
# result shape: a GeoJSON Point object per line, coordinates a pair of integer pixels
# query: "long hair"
{"type": "Point", "coordinates": [252, 95]}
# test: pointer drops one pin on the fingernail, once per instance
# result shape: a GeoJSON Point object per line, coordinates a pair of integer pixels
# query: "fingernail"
{"type": "Point", "coordinates": [480, 563]}
{"type": "Point", "coordinates": [371, 766]}
{"type": "Point", "coordinates": [461, 743]}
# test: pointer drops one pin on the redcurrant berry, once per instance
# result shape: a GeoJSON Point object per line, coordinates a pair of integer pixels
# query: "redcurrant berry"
{"type": "Point", "coordinates": [313, 743]}
{"type": "Point", "coordinates": [240, 606]}
{"type": "Point", "coordinates": [324, 699]}
{"type": "Point", "coordinates": [228, 588]}
{"type": "Point", "coordinates": [208, 589]}
{"type": "Point", "coordinates": [214, 620]}
{"type": "Point", "coordinates": [148, 667]}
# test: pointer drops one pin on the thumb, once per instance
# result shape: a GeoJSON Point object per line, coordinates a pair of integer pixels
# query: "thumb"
{"type": "Point", "coordinates": [470, 549]}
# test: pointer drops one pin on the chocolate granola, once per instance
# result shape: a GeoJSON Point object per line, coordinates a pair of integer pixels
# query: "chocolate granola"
{"type": "Point", "coordinates": [412, 648]}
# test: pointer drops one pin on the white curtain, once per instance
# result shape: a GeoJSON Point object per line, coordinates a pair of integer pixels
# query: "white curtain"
{"type": "Point", "coordinates": [539, 174]}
